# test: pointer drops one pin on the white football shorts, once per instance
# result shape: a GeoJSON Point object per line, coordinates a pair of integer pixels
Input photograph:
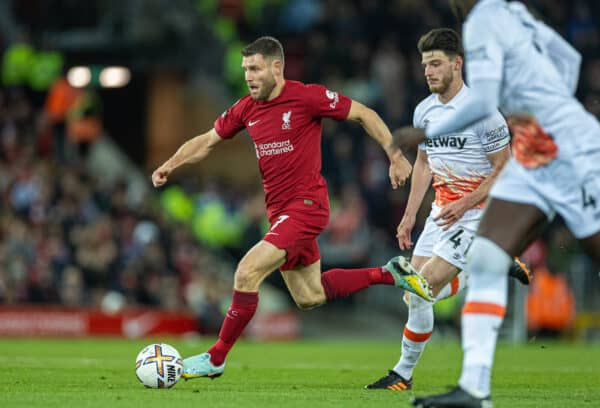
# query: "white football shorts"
{"type": "Point", "coordinates": [452, 244]}
{"type": "Point", "coordinates": [570, 188]}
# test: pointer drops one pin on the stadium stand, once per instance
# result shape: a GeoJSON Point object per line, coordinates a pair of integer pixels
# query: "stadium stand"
{"type": "Point", "coordinates": [70, 236]}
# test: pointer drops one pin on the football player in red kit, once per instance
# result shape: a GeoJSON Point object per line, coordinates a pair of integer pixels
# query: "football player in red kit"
{"type": "Point", "coordinates": [283, 118]}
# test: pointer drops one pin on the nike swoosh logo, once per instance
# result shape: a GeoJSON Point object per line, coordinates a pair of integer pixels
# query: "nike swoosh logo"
{"type": "Point", "coordinates": [253, 123]}
{"type": "Point", "coordinates": [271, 233]}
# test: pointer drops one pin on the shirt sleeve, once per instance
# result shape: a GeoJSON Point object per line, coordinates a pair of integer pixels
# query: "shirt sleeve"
{"type": "Point", "coordinates": [484, 54]}
{"type": "Point", "coordinates": [417, 117]}
{"type": "Point", "coordinates": [484, 66]}
{"type": "Point", "coordinates": [481, 102]}
{"type": "Point", "coordinates": [324, 103]}
{"type": "Point", "coordinates": [417, 123]}
{"type": "Point", "coordinates": [230, 122]}
{"type": "Point", "coordinates": [494, 133]}
{"type": "Point", "coordinates": [563, 56]}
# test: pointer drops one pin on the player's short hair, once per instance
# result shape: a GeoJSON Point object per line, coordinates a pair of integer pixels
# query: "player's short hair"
{"type": "Point", "coordinates": [268, 47]}
{"type": "Point", "coordinates": [441, 39]}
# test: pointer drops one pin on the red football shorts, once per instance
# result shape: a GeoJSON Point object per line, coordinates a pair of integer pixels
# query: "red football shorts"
{"type": "Point", "coordinates": [295, 229]}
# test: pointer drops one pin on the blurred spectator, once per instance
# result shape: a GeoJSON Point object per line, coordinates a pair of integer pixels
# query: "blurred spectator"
{"type": "Point", "coordinates": [67, 238]}
{"type": "Point", "coordinates": [61, 98]}
{"type": "Point", "coordinates": [347, 239]}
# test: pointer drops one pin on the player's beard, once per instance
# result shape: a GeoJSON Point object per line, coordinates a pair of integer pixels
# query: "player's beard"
{"type": "Point", "coordinates": [267, 87]}
{"type": "Point", "coordinates": [443, 85]}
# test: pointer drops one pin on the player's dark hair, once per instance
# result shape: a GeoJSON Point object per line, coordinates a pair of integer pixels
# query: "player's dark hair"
{"type": "Point", "coordinates": [441, 39]}
{"type": "Point", "coordinates": [268, 47]}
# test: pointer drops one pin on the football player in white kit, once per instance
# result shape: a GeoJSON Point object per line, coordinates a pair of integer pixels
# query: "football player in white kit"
{"type": "Point", "coordinates": [463, 166]}
{"type": "Point", "coordinates": [522, 66]}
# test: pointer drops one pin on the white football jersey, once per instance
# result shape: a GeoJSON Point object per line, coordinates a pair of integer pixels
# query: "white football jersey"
{"type": "Point", "coordinates": [563, 56]}
{"type": "Point", "coordinates": [459, 161]}
{"type": "Point", "coordinates": [501, 44]}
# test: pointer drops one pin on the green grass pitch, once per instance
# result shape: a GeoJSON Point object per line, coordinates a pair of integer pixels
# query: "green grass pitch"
{"type": "Point", "coordinates": [100, 373]}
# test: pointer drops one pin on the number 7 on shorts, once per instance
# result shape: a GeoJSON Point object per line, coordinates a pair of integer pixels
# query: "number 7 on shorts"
{"type": "Point", "coordinates": [281, 219]}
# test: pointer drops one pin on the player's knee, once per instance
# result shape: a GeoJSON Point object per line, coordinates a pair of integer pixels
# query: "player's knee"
{"type": "Point", "coordinates": [436, 277]}
{"type": "Point", "coordinates": [247, 278]}
{"type": "Point", "coordinates": [433, 278]}
{"type": "Point", "coordinates": [243, 280]}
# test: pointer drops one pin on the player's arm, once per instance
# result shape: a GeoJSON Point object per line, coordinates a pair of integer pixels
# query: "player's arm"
{"type": "Point", "coordinates": [481, 102]}
{"type": "Point", "coordinates": [484, 63]}
{"type": "Point", "coordinates": [191, 151]}
{"type": "Point", "coordinates": [372, 123]}
{"type": "Point", "coordinates": [564, 57]}
{"type": "Point", "coordinates": [455, 210]}
{"type": "Point", "coordinates": [497, 160]}
{"type": "Point", "coordinates": [419, 184]}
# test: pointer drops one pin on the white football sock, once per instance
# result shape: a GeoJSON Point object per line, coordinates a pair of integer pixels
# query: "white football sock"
{"type": "Point", "coordinates": [452, 288]}
{"type": "Point", "coordinates": [416, 335]}
{"type": "Point", "coordinates": [487, 266]}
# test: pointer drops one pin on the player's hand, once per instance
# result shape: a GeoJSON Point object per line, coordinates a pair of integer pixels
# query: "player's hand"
{"type": "Point", "coordinates": [160, 175]}
{"type": "Point", "coordinates": [451, 213]}
{"type": "Point", "coordinates": [408, 137]}
{"type": "Point", "coordinates": [403, 233]}
{"type": "Point", "coordinates": [400, 169]}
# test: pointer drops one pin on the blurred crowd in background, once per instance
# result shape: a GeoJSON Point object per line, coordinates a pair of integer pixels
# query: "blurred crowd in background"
{"type": "Point", "coordinates": [69, 236]}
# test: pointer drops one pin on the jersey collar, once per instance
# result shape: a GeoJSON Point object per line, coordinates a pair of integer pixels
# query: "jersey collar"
{"type": "Point", "coordinates": [457, 98]}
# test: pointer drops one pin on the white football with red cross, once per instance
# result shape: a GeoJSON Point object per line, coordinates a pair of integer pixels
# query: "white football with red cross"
{"type": "Point", "coordinates": [158, 366]}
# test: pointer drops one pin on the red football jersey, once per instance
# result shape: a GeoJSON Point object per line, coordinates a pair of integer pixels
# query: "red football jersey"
{"type": "Point", "coordinates": [287, 137]}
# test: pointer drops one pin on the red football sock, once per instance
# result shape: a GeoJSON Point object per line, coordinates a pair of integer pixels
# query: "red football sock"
{"type": "Point", "coordinates": [243, 306]}
{"type": "Point", "coordinates": [338, 283]}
